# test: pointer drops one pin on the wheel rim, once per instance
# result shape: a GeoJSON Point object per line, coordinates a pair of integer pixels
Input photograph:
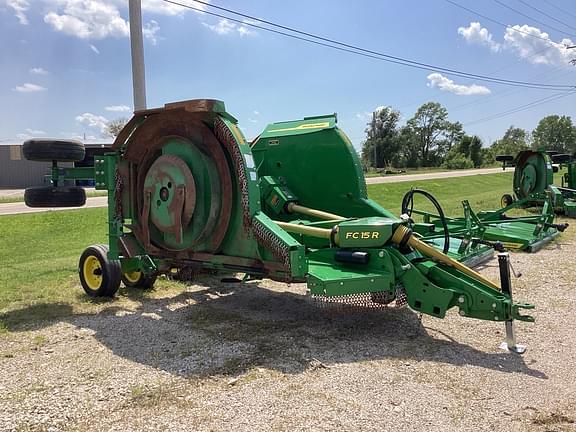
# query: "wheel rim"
{"type": "Point", "coordinates": [92, 271]}
{"type": "Point", "coordinates": [133, 277]}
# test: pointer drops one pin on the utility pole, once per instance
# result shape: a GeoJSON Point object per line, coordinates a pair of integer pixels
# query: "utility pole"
{"type": "Point", "coordinates": [137, 51]}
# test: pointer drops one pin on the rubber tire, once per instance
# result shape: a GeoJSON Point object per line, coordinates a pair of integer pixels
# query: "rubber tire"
{"type": "Point", "coordinates": [144, 283]}
{"type": "Point", "coordinates": [504, 158]}
{"type": "Point", "coordinates": [561, 158]}
{"type": "Point", "coordinates": [43, 150]}
{"type": "Point", "coordinates": [50, 196]}
{"type": "Point", "coordinates": [506, 200]}
{"type": "Point", "coordinates": [111, 272]}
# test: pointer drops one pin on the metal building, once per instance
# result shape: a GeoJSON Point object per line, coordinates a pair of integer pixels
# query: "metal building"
{"type": "Point", "coordinates": [17, 172]}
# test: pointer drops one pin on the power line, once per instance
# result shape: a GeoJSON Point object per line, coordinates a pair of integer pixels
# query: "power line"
{"type": "Point", "coordinates": [507, 92]}
{"type": "Point", "coordinates": [546, 14]}
{"type": "Point", "coordinates": [559, 8]}
{"type": "Point", "coordinates": [353, 49]}
{"type": "Point", "coordinates": [521, 108]}
{"type": "Point", "coordinates": [500, 23]}
{"type": "Point", "coordinates": [531, 18]}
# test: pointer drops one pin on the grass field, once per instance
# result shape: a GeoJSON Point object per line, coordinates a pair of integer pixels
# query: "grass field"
{"type": "Point", "coordinates": [39, 252]}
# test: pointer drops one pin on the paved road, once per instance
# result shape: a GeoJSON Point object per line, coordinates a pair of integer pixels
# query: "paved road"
{"type": "Point", "coordinates": [434, 175]}
{"type": "Point", "coordinates": [20, 207]}
{"type": "Point", "coordinates": [15, 208]}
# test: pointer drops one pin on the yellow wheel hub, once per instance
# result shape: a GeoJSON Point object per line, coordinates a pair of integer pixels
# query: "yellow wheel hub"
{"type": "Point", "coordinates": [92, 272]}
{"type": "Point", "coordinates": [133, 277]}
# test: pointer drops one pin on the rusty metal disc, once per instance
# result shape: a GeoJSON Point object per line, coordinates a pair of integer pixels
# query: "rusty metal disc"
{"type": "Point", "coordinates": [172, 193]}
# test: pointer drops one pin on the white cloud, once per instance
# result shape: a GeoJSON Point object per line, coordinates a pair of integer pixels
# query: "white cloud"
{"type": "Point", "coordinates": [529, 43]}
{"type": "Point", "coordinates": [225, 27]}
{"type": "Point", "coordinates": [445, 84]}
{"type": "Point", "coordinates": [162, 8]}
{"type": "Point", "coordinates": [87, 19]}
{"type": "Point", "coordinates": [35, 131]}
{"type": "Point", "coordinates": [28, 88]}
{"type": "Point", "coordinates": [93, 48]}
{"type": "Point", "coordinates": [94, 121]}
{"type": "Point", "coordinates": [256, 112]}
{"type": "Point", "coordinates": [38, 71]}
{"type": "Point", "coordinates": [367, 115]}
{"type": "Point", "coordinates": [540, 49]}
{"type": "Point", "coordinates": [149, 31]}
{"type": "Point", "coordinates": [30, 133]}
{"type": "Point", "coordinates": [118, 108]}
{"type": "Point", "coordinates": [20, 7]}
{"type": "Point", "coordinates": [476, 34]}
{"type": "Point", "coordinates": [251, 120]}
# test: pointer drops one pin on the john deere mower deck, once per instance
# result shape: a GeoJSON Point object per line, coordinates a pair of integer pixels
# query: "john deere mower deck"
{"type": "Point", "coordinates": [494, 229]}
{"type": "Point", "coordinates": [185, 191]}
{"type": "Point", "coordinates": [534, 180]}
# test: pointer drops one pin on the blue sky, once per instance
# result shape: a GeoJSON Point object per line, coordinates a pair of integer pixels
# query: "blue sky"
{"type": "Point", "coordinates": [65, 65]}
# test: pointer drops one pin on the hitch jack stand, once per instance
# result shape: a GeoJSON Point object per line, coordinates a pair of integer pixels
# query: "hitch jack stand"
{"type": "Point", "coordinates": [510, 344]}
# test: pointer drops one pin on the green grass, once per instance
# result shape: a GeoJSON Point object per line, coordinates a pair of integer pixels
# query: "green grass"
{"type": "Point", "coordinates": [39, 254]}
{"type": "Point", "coordinates": [482, 191]}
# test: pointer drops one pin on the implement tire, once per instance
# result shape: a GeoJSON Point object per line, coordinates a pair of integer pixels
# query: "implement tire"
{"type": "Point", "coordinates": [99, 276]}
{"type": "Point", "coordinates": [506, 200]}
{"type": "Point", "coordinates": [50, 196]}
{"type": "Point", "coordinates": [138, 279]}
{"type": "Point", "coordinates": [43, 150]}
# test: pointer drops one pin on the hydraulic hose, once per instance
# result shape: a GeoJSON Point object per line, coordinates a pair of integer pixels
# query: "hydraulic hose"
{"type": "Point", "coordinates": [408, 201]}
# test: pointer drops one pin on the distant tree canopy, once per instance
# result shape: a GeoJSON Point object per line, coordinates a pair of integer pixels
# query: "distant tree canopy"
{"type": "Point", "coordinates": [430, 139]}
{"type": "Point", "coordinates": [382, 144]}
{"type": "Point", "coordinates": [115, 126]}
{"type": "Point", "coordinates": [513, 141]}
{"type": "Point", "coordinates": [555, 133]}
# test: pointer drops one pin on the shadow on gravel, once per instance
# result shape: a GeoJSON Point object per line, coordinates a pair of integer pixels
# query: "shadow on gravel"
{"type": "Point", "coordinates": [230, 329]}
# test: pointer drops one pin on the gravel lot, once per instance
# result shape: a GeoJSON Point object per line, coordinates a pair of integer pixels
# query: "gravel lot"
{"type": "Point", "coordinates": [260, 357]}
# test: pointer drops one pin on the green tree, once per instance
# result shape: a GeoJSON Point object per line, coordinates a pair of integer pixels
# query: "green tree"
{"type": "Point", "coordinates": [555, 133]}
{"type": "Point", "coordinates": [381, 146]}
{"type": "Point", "coordinates": [433, 132]}
{"type": "Point", "coordinates": [408, 154]}
{"type": "Point", "coordinates": [471, 148]}
{"type": "Point", "coordinates": [456, 160]}
{"type": "Point", "coordinates": [513, 141]}
{"type": "Point", "coordinates": [115, 126]}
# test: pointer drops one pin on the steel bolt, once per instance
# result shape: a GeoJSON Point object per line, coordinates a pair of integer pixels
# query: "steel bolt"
{"type": "Point", "coordinates": [461, 299]}
{"type": "Point", "coordinates": [493, 305]}
{"type": "Point", "coordinates": [462, 312]}
{"type": "Point", "coordinates": [381, 254]}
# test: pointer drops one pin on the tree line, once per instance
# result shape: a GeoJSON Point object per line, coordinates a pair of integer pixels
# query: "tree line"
{"type": "Point", "coordinates": [429, 139]}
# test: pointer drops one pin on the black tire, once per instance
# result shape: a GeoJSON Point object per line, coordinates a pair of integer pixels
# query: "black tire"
{"type": "Point", "coordinates": [50, 196]}
{"type": "Point", "coordinates": [561, 158]}
{"type": "Point", "coordinates": [504, 158]}
{"type": "Point", "coordinates": [506, 200]}
{"type": "Point", "coordinates": [48, 150]}
{"type": "Point", "coordinates": [99, 276]}
{"type": "Point", "coordinates": [140, 281]}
